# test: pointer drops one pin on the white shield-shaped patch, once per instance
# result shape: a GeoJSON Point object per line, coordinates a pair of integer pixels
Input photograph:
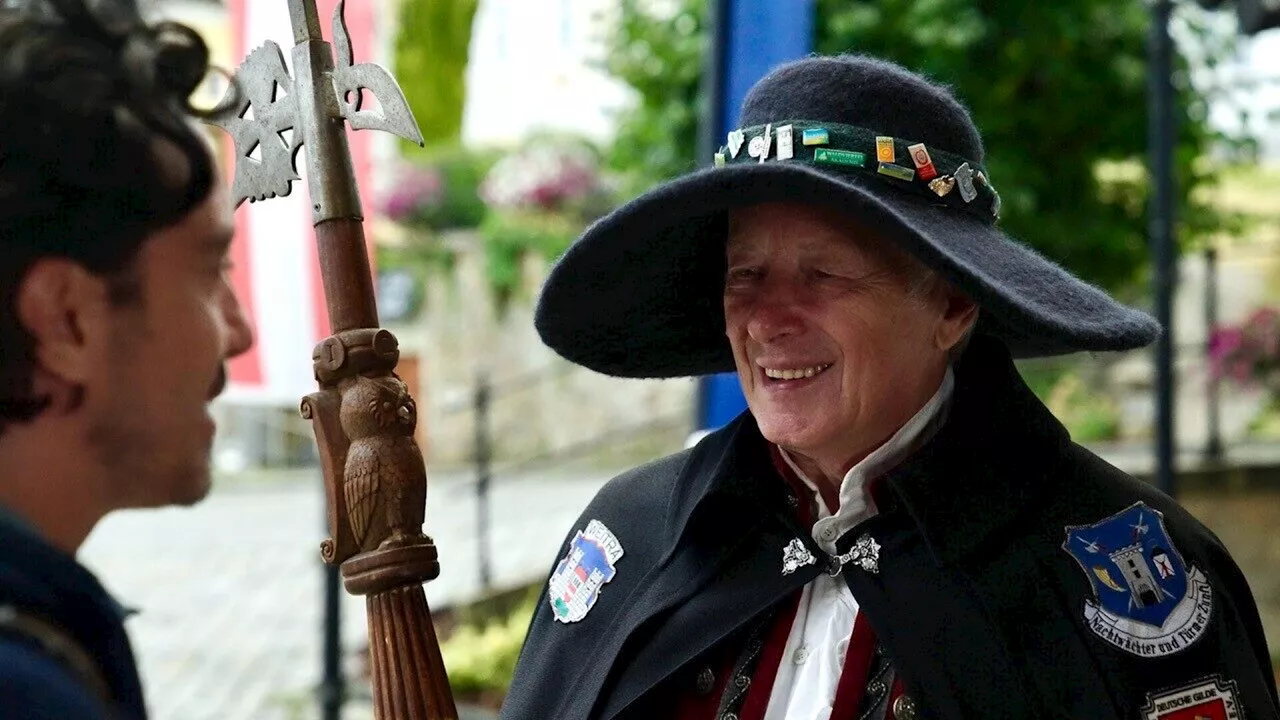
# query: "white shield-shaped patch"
{"type": "Point", "coordinates": [591, 562]}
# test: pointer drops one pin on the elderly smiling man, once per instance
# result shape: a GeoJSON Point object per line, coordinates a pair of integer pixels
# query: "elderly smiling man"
{"type": "Point", "coordinates": [897, 528]}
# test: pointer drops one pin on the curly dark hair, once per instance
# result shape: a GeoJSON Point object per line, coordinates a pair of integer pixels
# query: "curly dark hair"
{"type": "Point", "coordinates": [85, 94]}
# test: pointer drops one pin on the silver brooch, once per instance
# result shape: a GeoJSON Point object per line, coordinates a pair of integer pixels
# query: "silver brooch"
{"type": "Point", "coordinates": [865, 553]}
{"type": "Point", "coordinates": [795, 556]}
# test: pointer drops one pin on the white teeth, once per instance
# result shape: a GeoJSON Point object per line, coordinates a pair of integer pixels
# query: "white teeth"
{"type": "Point", "coordinates": [795, 374]}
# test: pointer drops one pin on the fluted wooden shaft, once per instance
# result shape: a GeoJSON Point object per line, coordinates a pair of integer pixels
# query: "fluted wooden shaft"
{"type": "Point", "coordinates": [409, 680]}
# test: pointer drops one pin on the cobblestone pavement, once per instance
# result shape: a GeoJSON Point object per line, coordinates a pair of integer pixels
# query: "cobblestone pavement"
{"type": "Point", "coordinates": [228, 592]}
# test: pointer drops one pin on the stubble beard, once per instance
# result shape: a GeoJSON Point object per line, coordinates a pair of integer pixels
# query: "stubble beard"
{"type": "Point", "coordinates": [148, 462]}
{"type": "Point", "coordinates": [143, 469]}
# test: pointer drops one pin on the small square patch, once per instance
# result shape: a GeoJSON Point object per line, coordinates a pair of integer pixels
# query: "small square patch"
{"type": "Point", "coordinates": [885, 150]}
{"type": "Point", "coordinates": [1210, 698]}
{"type": "Point", "coordinates": [815, 136]}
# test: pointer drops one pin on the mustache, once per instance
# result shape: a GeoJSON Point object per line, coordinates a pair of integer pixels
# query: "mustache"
{"type": "Point", "coordinates": [220, 383]}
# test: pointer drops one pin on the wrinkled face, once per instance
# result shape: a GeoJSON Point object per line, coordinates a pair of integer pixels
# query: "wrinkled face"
{"type": "Point", "coordinates": [164, 362]}
{"type": "Point", "coordinates": [835, 341]}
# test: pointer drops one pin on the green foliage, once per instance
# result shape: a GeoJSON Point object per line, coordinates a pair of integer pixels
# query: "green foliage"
{"type": "Point", "coordinates": [659, 54]}
{"type": "Point", "coordinates": [1042, 374]}
{"type": "Point", "coordinates": [481, 659]}
{"type": "Point", "coordinates": [462, 170]}
{"type": "Point", "coordinates": [1265, 425]}
{"type": "Point", "coordinates": [509, 236]}
{"type": "Point", "coordinates": [431, 53]}
{"type": "Point", "coordinates": [1089, 416]}
{"type": "Point", "coordinates": [1057, 88]}
{"type": "Point", "coordinates": [422, 255]}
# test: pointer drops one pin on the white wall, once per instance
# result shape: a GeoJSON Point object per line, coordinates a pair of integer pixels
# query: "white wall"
{"type": "Point", "coordinates": [531, 68]}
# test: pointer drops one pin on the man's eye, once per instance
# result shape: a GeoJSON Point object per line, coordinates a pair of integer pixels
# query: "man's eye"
{"type": "Point", "coordinates": [741, 275]}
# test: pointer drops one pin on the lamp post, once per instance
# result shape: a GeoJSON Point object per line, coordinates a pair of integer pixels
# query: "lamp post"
{"type": "Point", "coordinates": [1161, 229]}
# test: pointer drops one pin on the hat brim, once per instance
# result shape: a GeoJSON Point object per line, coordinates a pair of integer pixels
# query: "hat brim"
{"type": "Point", "coordinates": [640, 293]}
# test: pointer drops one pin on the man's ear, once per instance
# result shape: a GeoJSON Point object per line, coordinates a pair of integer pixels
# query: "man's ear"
{"type": "Point", "coordinates": [959, 313]}
{"type": "Point", "coordinates": [63, 307]}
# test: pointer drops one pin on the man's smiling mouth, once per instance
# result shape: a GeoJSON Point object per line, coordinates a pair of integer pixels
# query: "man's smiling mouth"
{"type": "Point", "coordinates": [798, 373]}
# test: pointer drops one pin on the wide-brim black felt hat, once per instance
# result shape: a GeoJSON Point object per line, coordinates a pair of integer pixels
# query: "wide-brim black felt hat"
{"type": "Point", "coordinates": [640, 293]}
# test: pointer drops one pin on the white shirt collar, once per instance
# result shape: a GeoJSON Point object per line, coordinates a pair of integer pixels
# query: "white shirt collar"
{"type": "Point", "coordinates": [856, 504]}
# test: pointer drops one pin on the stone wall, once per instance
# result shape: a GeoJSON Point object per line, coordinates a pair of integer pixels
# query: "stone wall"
{"type": "Point", "coordinates": [541, 403]}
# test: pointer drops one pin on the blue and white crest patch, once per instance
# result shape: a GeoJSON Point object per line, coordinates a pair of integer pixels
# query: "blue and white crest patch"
{"type": "Point", "coordinates": [591, 562]}
{"type": "Point", "coordinates": [1147, 600]}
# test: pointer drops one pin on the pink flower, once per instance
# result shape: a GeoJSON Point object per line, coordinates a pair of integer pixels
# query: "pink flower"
{"type": "Point", "coordinates": [1240, 371]}
{"type": "Point", "coordinates": [1248, 352]}
{"type": "Point", "coordinates": [542, 177]}
{"type": "Point", "coordinates": [416, 189]}
{"type": "Point", "coordinates": [1264, 317]}
{"type": "Point", "coordinates": [1224, 341]}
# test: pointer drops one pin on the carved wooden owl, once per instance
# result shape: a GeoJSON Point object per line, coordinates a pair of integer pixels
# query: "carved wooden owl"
{"type": "Point", "coordinates": [384, 480]}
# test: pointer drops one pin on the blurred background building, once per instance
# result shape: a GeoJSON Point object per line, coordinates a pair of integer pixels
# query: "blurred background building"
{"type": "Point", "coordinates": [541, 115]}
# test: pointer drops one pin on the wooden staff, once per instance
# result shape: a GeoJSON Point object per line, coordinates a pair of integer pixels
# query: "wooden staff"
{"type": "Point", "coordinates": [363, 416]}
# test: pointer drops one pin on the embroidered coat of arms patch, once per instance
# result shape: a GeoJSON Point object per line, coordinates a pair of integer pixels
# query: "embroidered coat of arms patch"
{"type": "Point", "coordinates": [1148, 602]}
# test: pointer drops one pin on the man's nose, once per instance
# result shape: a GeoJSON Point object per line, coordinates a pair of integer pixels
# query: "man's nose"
{"type": "Point", "coordinates": [775, 314]}
{"type": "Point", "coordinates": [239, 331]}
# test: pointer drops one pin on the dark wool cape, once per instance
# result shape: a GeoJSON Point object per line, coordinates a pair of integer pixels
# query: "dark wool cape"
{"type": "Point", "coordinates": [976, 602]}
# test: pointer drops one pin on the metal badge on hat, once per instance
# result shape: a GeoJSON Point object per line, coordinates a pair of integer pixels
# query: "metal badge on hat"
{"type": "Point", "coordinates": [924, 164]}
{"type": "Point", "coordinates": [831, 156]}
{"type": "Point", "coordinates": [846, 147]}
{"type": "Point", "coordinates": [786, 146]}
{"type": "Point", "coordinates": [905, 174]}
{"type": "Point", "coordinates": [815, 136]}
{"type": "Point", "coordinates": [943, 185]}
{"type": "Point", "coordinates": [759, 147]}
{"type": "Point", "coordinates": [964, 179]}
{"type": "Point", "coordinates": [995, 196]}
{"type": "Point", "coordinates": [885, 151]}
